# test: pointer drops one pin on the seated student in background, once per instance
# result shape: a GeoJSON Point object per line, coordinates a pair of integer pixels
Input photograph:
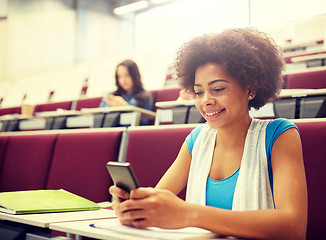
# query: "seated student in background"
{"type": "Point", "coordinates": [130, 90]}
{"type": "Point", "coordinates": [245, 177]}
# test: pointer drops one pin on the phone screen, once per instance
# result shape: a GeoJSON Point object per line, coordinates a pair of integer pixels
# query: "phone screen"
{"type": "Point", "coordinates": [122, 175]}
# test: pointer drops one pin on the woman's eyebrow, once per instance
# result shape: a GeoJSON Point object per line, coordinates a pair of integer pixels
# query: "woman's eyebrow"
{"type": "Point", "coordinates": [211, 82]}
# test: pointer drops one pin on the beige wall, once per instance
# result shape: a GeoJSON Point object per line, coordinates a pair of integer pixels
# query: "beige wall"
{"type": "Point", "coordinates": [39, 42]}
{"type": "Point", "coordinates": [300, 31]}
{"type": "Point", "coordinates": [3, 51]}
{"type": "Point", "coordinates": [39, 53]}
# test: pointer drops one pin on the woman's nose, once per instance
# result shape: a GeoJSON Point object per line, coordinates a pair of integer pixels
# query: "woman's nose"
{"type": "Point", "coordinates": [208, 99]}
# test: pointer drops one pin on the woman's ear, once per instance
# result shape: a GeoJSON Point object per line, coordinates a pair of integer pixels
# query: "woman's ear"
{"type": "Point", "coordinates": [251, 93]}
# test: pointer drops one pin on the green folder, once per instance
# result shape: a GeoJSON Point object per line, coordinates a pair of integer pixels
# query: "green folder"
{"type": "Point", "coordinates": [43, 201]}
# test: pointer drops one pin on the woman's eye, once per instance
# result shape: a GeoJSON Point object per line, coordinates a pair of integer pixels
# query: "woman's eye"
{"type": "Point", "coordinates": [218, 89]}
{"type": "Point", "coordinates": [198, 93]}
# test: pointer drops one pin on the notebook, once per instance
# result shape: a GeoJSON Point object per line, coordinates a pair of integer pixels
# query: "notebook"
{"type": "Point", "coordinates": [43, 201]}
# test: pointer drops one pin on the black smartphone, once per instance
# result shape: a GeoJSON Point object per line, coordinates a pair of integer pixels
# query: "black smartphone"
{"type": "Point", "coordinates": [122, 175]}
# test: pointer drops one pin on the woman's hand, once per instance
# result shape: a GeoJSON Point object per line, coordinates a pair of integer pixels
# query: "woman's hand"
{"type": "Point", "coordinates": [119, 196]}
{"type": "Point", "coordinates": [149, 207]}
{"type": "Point", "coordinates": [115, 101]}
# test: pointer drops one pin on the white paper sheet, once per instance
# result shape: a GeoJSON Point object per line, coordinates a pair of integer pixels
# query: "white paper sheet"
{"type": "Point", "coordinates": [157, 233]}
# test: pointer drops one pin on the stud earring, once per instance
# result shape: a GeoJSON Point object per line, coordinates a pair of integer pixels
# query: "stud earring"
{"type": "Point", "coordinates": [250, 97]}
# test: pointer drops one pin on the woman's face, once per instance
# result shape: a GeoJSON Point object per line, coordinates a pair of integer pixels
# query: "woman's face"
{"type": "Point", "coordinates": [124, 78]}
{"type": "Point", "coordinates": [219, 97]}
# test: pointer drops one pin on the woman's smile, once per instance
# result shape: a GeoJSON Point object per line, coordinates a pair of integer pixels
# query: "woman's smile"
{"type": "Point", "coordinates": [210, 113]}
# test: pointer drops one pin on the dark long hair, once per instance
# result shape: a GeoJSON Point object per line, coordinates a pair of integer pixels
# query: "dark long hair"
{"type": "Point", "coordinates": [138, 88]}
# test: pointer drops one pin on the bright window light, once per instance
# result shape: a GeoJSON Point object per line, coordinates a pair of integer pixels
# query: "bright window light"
{"type": "Point", "coordinates": [130, 7]}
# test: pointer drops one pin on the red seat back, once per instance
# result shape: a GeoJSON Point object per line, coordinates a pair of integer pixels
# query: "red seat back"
{"type": "Point", "coordinates": [10, 110]}
{"type": "Point", "coordinates": [167, 94]}
{"type": "Point", "coordinates": [27, 161]}
{"type": "Point", "coordinates": [53, 106]}
{"type": "Point", "coordinates": [314, 154]}
{"type": "Point", "coordinates": [79, 163]}
{"type": "Point", "coordinates": [152, 151]}
{"type": "Point", "coordinates": [310, 80]}
{"type": "Point", "coordinates": [88, 103]}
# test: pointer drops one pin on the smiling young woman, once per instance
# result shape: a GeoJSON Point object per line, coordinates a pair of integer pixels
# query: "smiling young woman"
{"type": "Point", "coordinates": [245, 177]}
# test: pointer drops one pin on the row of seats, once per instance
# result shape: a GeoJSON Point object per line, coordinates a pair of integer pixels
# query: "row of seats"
{"type": "Point", "coordinates": [168, 94]}
{"type": "Point", "coordinates": [76, 160]}
{"type": "Point", "coordinates": [303, 106]}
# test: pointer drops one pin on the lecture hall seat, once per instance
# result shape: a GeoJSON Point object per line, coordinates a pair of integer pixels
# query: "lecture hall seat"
{"type": "Point", "coordinates": [166, 94]}
{"type": "Point", "coordinates": [66, 105]}
{"type": "Point", "coordinates": [182, 114]}
{"type": "Point", "coordinates": [313, 106]}
{"type": "Point", "coordinates": [88, 103]}
{"type": "Point", "coordinates": [314, 155]}
{"type": "Point", "coordinates": [92, 103]}
{"type": "Point", "coordinates": [26, 162]}
{"type": "Point", "coordinates": [309, 80]}
{"type": "Point", "coordinates": [54, 122]}
{"type": "Point", "coordinates": [151, 151]}
{"type": "Point", "coordinates": [79, 163]}
{"type": "Point", "coordinates": [5, 111]}
{"type": "Point", "coordinates": [10, 110]}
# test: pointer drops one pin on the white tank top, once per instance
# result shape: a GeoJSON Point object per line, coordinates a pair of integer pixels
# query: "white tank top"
{"type": "Point", "coordinates": [253, 189]}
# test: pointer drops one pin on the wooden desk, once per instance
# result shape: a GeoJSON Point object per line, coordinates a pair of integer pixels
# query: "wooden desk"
{"type": "Point", "coordinates": [45, 219]}
{"type": "Point", "coordinates": [57, 113]}
{"type": "Point", "coordinates": [166, 112]}
{"type": "Point", "coordinates": [38, 122]}
{"type": "Point", "coordinates": [291, 93]}
{"type": "Point", "coordinates": [172, 104]}
{"type": "Point", "coordinates": [145, 113]}
{"type": "Point", "coordinates": [304, 69]}
{"type": "Point", "coordinates": [82, 228]}
{"type": "Point", "coordinates": [129, 115]}
{"type": "Point", "coordinates": [83, 118]}
{"type": "Point", "coordinates": [13, 117]}
{"type": "Point", "coordinates": [308, 58]}
{"type": "Point", "coordinates": [304, 45]}
{"type": "Point", "coordinates": [12, 121]}
{"type": "Point", "coordinates": [302, 52]}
